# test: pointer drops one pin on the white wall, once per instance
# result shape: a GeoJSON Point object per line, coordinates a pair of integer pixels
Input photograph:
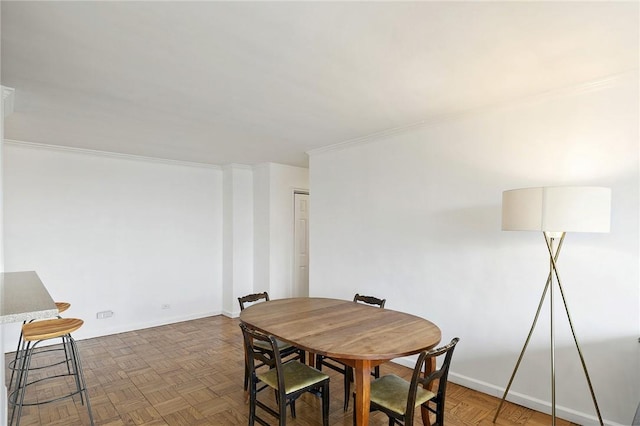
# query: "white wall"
{"type": "Point", "coordinates": [116, 233]}
{"type": "Point", "coordinates": [3, 388]}
{"type": "Point", "coordinates": [238, 236]}
{"type": "Point", "coordinates": [414, 216]}
{"type": "Point", "coordinates": [285, 180]}
{"type": "Point", "coordinates": [275, 185]}
{"type": "Point", "coordinates": [128, 234]}
{"type": "Point", "coordinates": [6, 107]}
{"type": "Point", "coordinates": [261, 226]}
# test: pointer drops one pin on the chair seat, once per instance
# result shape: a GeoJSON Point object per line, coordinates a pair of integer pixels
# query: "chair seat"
{"type": "Point", "coordinates": [264, 345]}
{"type": "Point", "coordinates": [392, 393]}
{"type": "Point", "coordinates": [296, 376]}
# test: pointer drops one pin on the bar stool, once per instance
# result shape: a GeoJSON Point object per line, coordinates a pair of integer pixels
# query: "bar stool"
{"type": "Point", "coordinates": [33, 334]}
{"type": "Point", "coordinates": [62, 306]}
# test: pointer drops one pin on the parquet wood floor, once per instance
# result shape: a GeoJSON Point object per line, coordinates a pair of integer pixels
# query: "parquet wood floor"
{"type": "Point", "coordinates": [191, 373]}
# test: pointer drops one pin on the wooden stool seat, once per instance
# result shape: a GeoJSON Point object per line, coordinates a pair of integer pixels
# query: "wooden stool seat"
{"type": "Point", "coordinates": [49, 329]}
{"type": "Point", "coordinates": [62, 306]}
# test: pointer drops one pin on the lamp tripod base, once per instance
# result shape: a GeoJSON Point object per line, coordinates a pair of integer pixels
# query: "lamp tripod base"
{"type": "Point", "coordinates": [554, 252]}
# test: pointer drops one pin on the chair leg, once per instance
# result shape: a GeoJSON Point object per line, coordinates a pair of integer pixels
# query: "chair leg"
{"type": "Point", "coordinates": [348, 376]}
{"type": "Point", "coordinates": [325, 404]}
{"type": "Point", "coordinates": [319, 359]}
{"type": "Point", "coordinates": [440, 412]}
{"type": "Point", "coordinates": [246, 380]}
{"type": "Point", "coordinates": [354, 411]}
{"type": "Point", "coordinates": [246, 386]}
{"type": "Point", "coordinates": [282, 410]}
{"type": "Point", "coordinates": [252, 403]}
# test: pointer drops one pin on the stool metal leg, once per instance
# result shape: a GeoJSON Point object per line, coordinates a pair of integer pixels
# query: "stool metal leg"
{"type": "Point", "coordinates": [65, 345]}
{"type": "Point", "coordinates": [13, 365]}
{"type": "Point", "coordinates": [17, 397]}
{"type": "Point", "coordinates": [82, 386]}
{"type": "Point", "coordinates": [15, 359]}
{"type": "Point", "coordinates": [21, 382]}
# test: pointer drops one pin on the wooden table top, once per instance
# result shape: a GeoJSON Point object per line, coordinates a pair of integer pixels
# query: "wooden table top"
{"type": "Point", "coordinates": [343, 329]}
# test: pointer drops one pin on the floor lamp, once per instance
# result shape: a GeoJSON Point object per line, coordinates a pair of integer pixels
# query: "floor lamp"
{"type": "Point", "coordinates": [555, 211]}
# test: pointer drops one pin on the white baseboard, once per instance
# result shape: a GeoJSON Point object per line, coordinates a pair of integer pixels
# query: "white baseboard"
{"type": "Point", "coordinates": [231, 314]}
{"type": "Point", "coordinates": [83, 334]}
{"type": "Point", "coordinates": [517, 398]}
{"type": "Point", "coordinates": [80, 335]}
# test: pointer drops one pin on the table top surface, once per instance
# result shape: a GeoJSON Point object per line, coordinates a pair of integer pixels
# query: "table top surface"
{"type": "Point", "coordinates": [343, 329]}
{"type": "Point", "coordinates": [24, 297]}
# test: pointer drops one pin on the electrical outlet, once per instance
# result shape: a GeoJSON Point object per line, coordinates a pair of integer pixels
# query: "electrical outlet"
{"type": "Point", "coordinates": [165, 306]}
{"type": "Point", "coordinates": [104, 314]}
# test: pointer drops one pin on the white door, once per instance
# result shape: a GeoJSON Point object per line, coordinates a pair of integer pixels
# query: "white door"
{"type": "Point", "coordinates": [301, 245]}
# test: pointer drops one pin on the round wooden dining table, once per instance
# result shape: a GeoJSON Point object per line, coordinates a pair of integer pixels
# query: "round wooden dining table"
{"type": "Point", "coordinates": [358, 335]}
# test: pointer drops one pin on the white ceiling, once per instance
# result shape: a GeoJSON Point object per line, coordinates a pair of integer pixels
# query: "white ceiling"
{"type": "Point", "coordinates": [252, 82]}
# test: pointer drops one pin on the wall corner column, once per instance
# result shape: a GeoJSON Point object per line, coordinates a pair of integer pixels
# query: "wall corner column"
{"type": "Point", "coordinates": [237, 235]}
{"type": "Point", "coordinates": [6, 108]}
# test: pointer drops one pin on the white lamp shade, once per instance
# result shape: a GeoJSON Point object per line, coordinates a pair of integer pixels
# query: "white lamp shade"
{"type": "Point", "coordinates": [557, 209]}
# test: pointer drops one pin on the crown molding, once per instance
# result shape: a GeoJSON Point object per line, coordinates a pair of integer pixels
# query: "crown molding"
{"type": "Point", "coordinates": [236, 166]}
{"type": "Point", "coordinates": [586, 87]}
{"type": "Point", "coordinates": [8, 96]}
{"type": "Point", "coordinates": [84, 151]}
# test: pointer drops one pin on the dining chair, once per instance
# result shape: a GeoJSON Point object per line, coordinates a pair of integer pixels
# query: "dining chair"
{"type": "Point", "coordinates": [286, 350]}
{"type": "Point", "coordinates": [338, 366]}
{"type": "Point", "coordinates": [289, 379]}
{"type": "Point", "coordinates": [398, 398]}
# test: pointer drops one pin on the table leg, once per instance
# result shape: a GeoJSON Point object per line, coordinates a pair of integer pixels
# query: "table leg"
{"type": "Point", "coordinates": [362, 373]}
{"type": "Point", "coordinates": [429, 366]}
